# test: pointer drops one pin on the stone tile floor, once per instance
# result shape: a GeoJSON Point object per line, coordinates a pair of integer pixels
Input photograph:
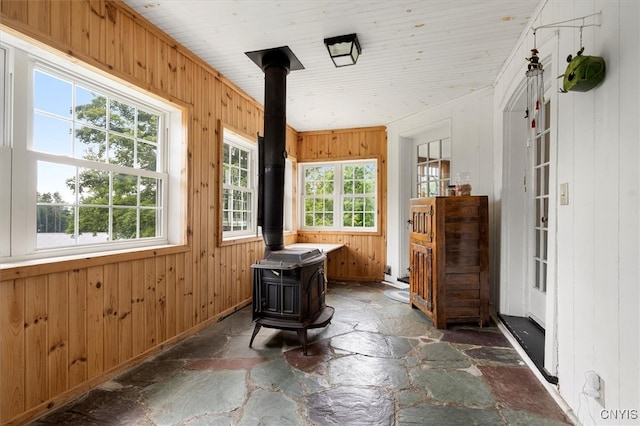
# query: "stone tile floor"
{"type": "Point", "coordinates": [379, 362]}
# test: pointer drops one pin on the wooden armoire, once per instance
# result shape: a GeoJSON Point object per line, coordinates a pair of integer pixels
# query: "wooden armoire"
{"type": "Point", "coordinates": [450, 259]}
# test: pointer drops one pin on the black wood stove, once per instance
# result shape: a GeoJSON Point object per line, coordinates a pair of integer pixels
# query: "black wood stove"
{"type": "Point", "coordinates": [288, 285]}
{"type": "Point", "coordinates": [288, 292]}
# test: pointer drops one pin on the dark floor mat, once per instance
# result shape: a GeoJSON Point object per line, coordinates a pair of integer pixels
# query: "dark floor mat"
{"type": "Point", "coordinates": [531, 337]}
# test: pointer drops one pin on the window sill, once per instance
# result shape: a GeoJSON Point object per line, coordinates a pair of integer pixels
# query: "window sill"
{"type": "Point", "coordinates": [249, 239]}
{"type": "Point", "coordinates": [35, 267]}
{"type": "Point", "coordinates": [339, 232]}
{"type": "Point", "coordinates": [240, 240]}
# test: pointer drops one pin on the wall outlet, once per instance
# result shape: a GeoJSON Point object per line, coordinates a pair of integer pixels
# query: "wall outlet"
{"type": "Point", "coordinates": [592, 387]}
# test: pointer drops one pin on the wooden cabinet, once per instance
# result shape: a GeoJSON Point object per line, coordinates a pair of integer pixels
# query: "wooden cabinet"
{"type": "Point", "coordinates": [450, 259]}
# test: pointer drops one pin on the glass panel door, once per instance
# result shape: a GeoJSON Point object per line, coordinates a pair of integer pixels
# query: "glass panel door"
{"type": "Point", "coordinates": [434, 168]}
{"type": "Point", "coordinates": [539, 260]}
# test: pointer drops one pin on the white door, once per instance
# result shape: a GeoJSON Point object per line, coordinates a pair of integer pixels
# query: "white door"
{"type": "Point", "coordinates": [539, 163]}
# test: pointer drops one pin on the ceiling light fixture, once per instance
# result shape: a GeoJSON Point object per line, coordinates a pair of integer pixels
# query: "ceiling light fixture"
{"type": "Point", "coordinates": [344, 50]}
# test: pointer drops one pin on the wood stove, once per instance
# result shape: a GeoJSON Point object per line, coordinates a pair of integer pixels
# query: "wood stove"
{"type": "Point", "coordinates": [289, 292]}
{"type": "Point", "coordinates": [288, 285]}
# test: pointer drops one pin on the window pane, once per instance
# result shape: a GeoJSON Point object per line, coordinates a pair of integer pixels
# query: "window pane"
{"type": "Point", "coordinates": [244, 178]}
{"type": "Point", "coordinates": [226, 174]}
{"type": "Point", "coordinates": [56, 180]}
{"type": "Point", "coordinates": [125, 190]}
{"type": "Point", "coordinates": [125, 223]}
{"type": "Point", "coordinates": [121, 117]}
{"type": "Point", "coordinates": [369, 172]}
{"type": "Point", "coordinates": [434, 150]}
{"type": "Point", "coordinates": [149, 192]}
{"type": "Point", "coordinates": [370, 204]}
{"type": "Point", "coordinates": [237, 188]}
{"type": "Point", "coordinates": [93, 186]}
{"type": "Point", "coordinates": [244, 160]}
{"type": "Point", "coordinates": [147, 156]}
{"type": "Point", "coordinates": [149, 220]}
{"type": "Point", "coordinates": [90, 144]}
{"type": "Point", "coordinates": [91, 107]}
{"type": "Point", "coordinates": [94, 221]}
{"type": "Point", "coordinates": [446, 148]}
{"type": "Point", "coordinates": [328, 205]}
{"type": "Point", "coordinates": [121, 151]}
{"type": "Point", "coordinates": [235, 156]}
{"type": "Point", "coordinates": [347, 219]}
{"type": "Point", "coordinates": [52, 135]}
{"type": "Point", "coordinates": [547, 146]}
{"type": "Point", "coordinates": [53, 218]}
{"type": "Point", "coordinates": [328, 219]}
{"type": "Point", "coordinates": [148, 126]}
{"type": "Point", "coordinates": [226, 199]}
{"type": "Point", "coordinates": [348, 187]}
{"type": "Point", "coordinates": [226, 221]}
{"type": "Point", "coordinates": [235, 176]}
{"type": "Point", "coordinates": [52, 94]}
{"type": "Point", "coordinates": [369, 220]}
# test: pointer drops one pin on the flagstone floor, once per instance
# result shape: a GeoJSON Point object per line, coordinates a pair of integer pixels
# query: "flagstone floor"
{"type": "Point", "coordinates": [379, 362]}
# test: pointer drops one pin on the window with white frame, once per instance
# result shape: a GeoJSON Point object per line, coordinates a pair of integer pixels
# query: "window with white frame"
{"type": "Point", "coordinates": [339, 195]}
{"type": "Point", "coordinates": [434, 165]}
{"type": "Point", "coordinates": [239, 185]}
{"type": "Point", "coordinates": [89, 161]}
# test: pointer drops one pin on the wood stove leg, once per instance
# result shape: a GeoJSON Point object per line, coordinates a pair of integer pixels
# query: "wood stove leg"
{"type": "Point", "coordinates": [255, 331]}
{"type": "Point", "coordinates": [302, 337]}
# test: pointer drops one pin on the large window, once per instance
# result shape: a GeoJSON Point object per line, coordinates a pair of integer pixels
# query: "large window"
{"type": "Point", "coordinates": [88, 159]}
{"type": "Point", "coordinates": [239, 183]}
{"type": "Point", "coordinates": [339, 195]}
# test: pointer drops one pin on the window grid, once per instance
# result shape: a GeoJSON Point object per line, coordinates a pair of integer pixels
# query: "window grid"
{"type": "Point", "coordinates": [104, 204]}
{"type": "Point", "coordinates": [86, 160]}
{"type": "Point", "coordinates": [318, 198]}
{"type": "Point", "coordinates": [541, 168]}
{"type": "Point", "coordinates": [344, 190]}
{"type": "Point", "coordinates": [433, 172]}
{"type": "Point", "coordinates": [238, 187]}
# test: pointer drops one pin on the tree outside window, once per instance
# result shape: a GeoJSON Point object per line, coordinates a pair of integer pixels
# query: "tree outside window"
{"type": "Point", "coordinates": [340, 195]}
{"type": "Point", "coordinates": [112, 189]}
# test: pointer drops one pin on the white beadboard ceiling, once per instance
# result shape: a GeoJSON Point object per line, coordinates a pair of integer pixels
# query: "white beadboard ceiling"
{"type": "Point", "coordinates": [416, 54]}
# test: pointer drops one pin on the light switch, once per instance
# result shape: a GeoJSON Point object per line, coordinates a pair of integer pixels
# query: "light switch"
{"type": "Point", "coordinates": [564, 194]}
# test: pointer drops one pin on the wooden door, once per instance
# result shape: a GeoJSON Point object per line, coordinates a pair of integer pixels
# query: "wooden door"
{"type": "Point", "coordinates": [421, 238]}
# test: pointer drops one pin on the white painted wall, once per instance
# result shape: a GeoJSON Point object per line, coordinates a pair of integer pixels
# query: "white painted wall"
{"type": "Point", "coordinates": [594, 320]}
{"type": "Point", "coordinates": [470, 122]}
{"type": "Point", "coordinates": [597, 133]}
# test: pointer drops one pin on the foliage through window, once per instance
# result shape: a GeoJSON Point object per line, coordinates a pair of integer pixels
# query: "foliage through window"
{"type": "Point", "coordinates": [340, 195]}
{"type": "Point", "coordinates": [238, 185]}
{"type": "Point", "coordinates": [97, 157]}
{"type": "Point", "coordinates": [96, 202]}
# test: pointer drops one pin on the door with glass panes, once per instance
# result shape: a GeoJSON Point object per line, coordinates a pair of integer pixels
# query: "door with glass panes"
{"type": "Point", "coordinates": [539, 163]}
{"type": "Point", "coordinates": [433, 167]}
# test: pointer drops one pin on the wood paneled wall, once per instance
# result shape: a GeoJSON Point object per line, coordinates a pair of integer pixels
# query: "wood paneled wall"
{"type": "Point", "coordinates": [67, 326]}
{"type": "Point", "coordinates": [363, 256]}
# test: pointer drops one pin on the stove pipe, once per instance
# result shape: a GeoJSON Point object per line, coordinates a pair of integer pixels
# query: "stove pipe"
{"type": "Point", "coordinates": [275, 65]}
